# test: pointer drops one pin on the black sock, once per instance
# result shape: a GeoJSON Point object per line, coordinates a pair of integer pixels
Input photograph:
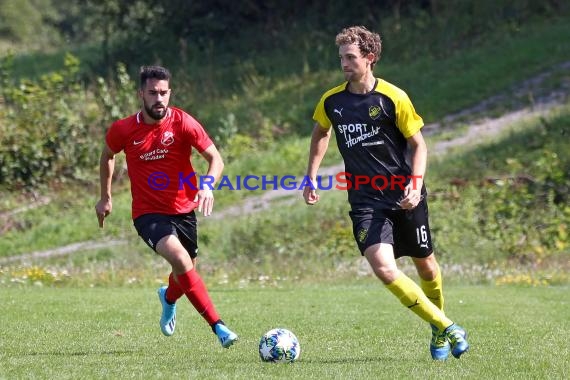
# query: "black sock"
{"type": "Point", "coordinates": [213, 326]}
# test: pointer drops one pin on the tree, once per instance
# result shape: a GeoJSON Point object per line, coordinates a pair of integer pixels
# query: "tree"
{"type": "Point", "coordinates": [28, 25]}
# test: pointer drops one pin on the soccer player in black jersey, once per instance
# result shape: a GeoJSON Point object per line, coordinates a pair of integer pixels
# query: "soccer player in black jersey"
{"type": "Point", "coordinates": [378, 134]}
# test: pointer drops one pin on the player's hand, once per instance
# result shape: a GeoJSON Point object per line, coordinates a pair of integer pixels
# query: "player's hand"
{"type": "Point", "coordinates": [205, 200]}
{"type": "Point", "coordinates": [412, 197]}
{"type": "Point", "coordinates": [310, 195]}
{"type": "Point", "coordinates": [103, 208]}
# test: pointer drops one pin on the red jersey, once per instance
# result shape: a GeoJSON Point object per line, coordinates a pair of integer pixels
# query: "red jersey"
{"type": "Point", "coordinates": [158, 160]}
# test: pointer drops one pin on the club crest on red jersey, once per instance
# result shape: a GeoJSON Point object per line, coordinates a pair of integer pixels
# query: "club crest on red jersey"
{"type": "Point", "coordinates": [167, 138]}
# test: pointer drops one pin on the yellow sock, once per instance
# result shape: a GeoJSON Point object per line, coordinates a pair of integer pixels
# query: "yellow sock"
{"type": "Point", "coordinates": [412, 296]}
{"type": "Point", "coordinates": [434, 290]}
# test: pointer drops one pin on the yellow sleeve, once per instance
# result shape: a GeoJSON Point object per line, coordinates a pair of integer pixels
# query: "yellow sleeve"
{"type": "Point", "coordinates": [408, 121]}
{"type": "Point", "coordinates": [320, 116]}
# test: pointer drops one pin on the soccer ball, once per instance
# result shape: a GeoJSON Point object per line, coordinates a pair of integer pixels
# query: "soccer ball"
{"type": "Point", "coordinates": [279, 346]}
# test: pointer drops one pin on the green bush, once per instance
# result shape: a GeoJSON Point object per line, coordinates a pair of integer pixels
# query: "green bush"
{"type": "Point", "coordinates": [528, 216]}
{"type": "Point", "coordinates": [507, 200]}
{"type": "Point", "coordinates": [52, 129]}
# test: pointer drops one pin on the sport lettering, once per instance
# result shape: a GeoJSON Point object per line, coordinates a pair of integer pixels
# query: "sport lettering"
{"type": "Point", "coordinates": [352, 128]}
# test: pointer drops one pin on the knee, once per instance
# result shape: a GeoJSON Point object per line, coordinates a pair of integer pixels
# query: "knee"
{"type": "Point", "coordinates": [427, 269]}
{"type": "Point", "coordinates": [182, 263]}
{"type": "Point", "coordinates": [386, 274]}
{"type": "Point", "coordinates": [174, 252]}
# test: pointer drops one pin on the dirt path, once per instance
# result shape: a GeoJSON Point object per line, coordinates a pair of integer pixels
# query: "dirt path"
{"type": "Point", "coordinates": [526, 100]}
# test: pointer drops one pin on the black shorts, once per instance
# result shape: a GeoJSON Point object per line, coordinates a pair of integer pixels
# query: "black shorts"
{"type": "Point", "coordinates": [407, 230]}
{"type": "Point", "coordinates": [153, 227]}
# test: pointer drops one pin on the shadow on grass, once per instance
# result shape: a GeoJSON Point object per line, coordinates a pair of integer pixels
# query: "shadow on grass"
{"type": "Point", "coordinates": [351, 360]}
{"type": "Point", "coordinates": [76, 353]}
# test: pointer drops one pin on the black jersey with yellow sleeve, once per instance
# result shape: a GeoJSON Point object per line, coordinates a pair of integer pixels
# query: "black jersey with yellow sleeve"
{"type": "Point", "coordinates": [371, 131]}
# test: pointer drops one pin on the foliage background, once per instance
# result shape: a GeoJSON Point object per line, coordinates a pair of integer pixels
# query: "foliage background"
{"type": "Point", "coordinates": [252, 72]}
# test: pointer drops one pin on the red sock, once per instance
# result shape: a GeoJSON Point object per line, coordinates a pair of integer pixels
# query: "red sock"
{"type": "Point", "coordinates": [173, 292]}
{"type": "Point", "coordinates": [196, 291]}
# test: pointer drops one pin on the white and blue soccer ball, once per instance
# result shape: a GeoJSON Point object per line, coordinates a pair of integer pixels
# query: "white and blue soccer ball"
{"type": "Point", "coordinates": [279, 346]}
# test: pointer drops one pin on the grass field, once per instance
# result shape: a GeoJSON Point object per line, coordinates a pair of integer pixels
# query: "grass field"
{"type": "Point", "coordinates": [94, 314]}
{"type": "Point", "coordinates": [347, 331]}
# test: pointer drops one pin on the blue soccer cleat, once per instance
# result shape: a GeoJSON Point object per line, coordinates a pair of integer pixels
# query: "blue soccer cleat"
{"type": "Point", "coordinates": [225, 335]}
{"type": "Point", "coordinates": [168, 317]}
{"type": "Point", "coordinates": [457, 337]}
{"type": "Point", "coordinates": [439, 345]}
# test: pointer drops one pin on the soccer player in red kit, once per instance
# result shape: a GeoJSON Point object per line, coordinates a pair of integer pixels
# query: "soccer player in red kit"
{"type": "Point", "coordinates": [158, 142]}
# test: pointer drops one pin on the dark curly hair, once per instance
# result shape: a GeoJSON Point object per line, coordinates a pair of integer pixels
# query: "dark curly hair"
{"type": "Point", "coordinates": [367, 41]}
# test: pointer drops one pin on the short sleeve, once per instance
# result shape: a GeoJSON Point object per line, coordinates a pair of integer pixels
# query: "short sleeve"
{"type": "Point", "coordinates": [114, 138]}
{"type": "Point", "coordinates": [408, 121]}
{"type": "Point", "coordinates": [199, 138]}
{"type": "Point", "coordinates": [320, 116]}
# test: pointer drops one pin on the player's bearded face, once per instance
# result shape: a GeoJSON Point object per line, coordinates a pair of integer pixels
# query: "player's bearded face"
{"type": "Point", "coordinates": [157, 111]}
{"type": "Point", "coordinates": [155, 97]}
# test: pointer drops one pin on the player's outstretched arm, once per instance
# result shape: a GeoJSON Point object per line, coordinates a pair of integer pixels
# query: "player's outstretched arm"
{"type": "Point", "coordinates": [319, 145]}
{"type": "Point", "coordinates": [106, 168]}
{"type": "Point", "coordinates": [205, 197]}
{"type": "Point", "coordinates": [413, 191]}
